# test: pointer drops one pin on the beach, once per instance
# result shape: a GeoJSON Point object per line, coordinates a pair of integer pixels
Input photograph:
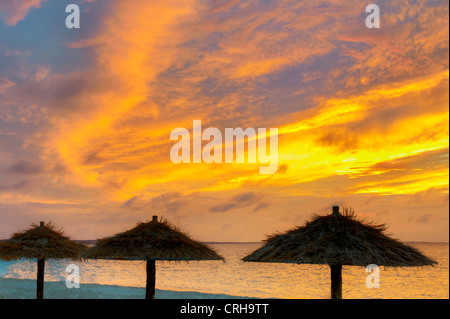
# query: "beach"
{"type": "Point", "coordinates": [109, 279]}
{"type": "Point", "coordinates": [26, 289]}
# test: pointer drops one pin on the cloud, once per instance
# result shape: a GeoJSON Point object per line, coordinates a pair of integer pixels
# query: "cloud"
{"type": "Point", "coordinates": [84, 43]}
{"type": "Point", "coordinates": [164, 203]}
{"type": "Point", "coordinates": [130, 204]}
{"type": "Point", "coordinates": [170, 203]}
{"type": "Point", "coordinates": [282, 169]}
{"type": "Point", "coordinates": [241, 66]}
{"type": "Point", "coordinates": [7, 133]}
{"type": "Point", "coordinates": [222, 207]}
{"type": "Point", "coordinates": [362, 114]}
{"type": "Point", "coordinates": [260, 206]}
{"type": "Point", "coordinates": [25, 168]}
{"type": "Point", "coordinates": [5, 84]}
{"type": "Point", "coordinates": [244, 197]}
{"type": "Point", "coordinates": [12, 11]}
{"type": "Point", "coordinates": [239, 201]}
{"type": "Point", "coordinates": [343, 138]}
{"type": "Point", "coordinates": [424, 218]}
{"type": "Point", "coordinates": [222, 5]}
{"type": "Point", "coordinates": [14, 186]}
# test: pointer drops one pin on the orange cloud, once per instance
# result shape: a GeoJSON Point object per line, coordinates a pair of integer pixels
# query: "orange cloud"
{"type": "Point", "coordinates": [362, 114]}
{"type": "Point", "coordinates": [122, 142]}
{"type": "Point", "coordinates": [12, 11]}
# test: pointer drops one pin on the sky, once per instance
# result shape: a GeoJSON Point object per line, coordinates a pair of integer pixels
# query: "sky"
{"type": "Point", "coordinates": [86, 114]}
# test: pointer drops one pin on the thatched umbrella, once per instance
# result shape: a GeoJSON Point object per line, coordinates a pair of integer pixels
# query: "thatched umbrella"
{"type": "Point", "coordinates": [40, 242]}
{"type": "Point", "coordinates": [151, 241]}
{"type": "Point", "coordinates": [336, 240]}
{"type": "Point", "coordinates": [5, 247]}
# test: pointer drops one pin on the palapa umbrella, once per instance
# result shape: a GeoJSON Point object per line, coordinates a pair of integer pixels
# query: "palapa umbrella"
{"type": "Point", "coordinates": [5, 247]}
{"type": "Point", "coordinates": [338, 239]}
{"type": "Point", "coordinates": [151, 241]}
{"type": "Point", "coordinates": [40, 242]}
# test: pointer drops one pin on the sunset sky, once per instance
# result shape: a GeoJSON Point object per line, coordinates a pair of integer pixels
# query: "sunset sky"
{"type": "Point", "coordinates": [86, 114]}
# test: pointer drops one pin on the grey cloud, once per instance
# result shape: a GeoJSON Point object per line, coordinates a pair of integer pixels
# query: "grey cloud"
{"type": "Point", "coordinates": [25, 168]}
{"type": "Point", "coordinates": [14, 186]}
{"type": "Point", "coordinates": [260, 206]}
{"type": "Point", "coordinates": [130, 204]}
{"type": "Point", "coordinates": [170, 203]}
{"type": "Point", "coordinates": [244, 197]}
{"type": "Point", "coordinates": [239, 201]}
{"type": "Point", "coordinates": [424, 218]}
{"type": "Point", "coordinates": [222, 207]}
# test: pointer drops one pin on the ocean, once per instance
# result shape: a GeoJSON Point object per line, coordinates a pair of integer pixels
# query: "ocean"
{"type": "Point", "coordinates": [261, 280]}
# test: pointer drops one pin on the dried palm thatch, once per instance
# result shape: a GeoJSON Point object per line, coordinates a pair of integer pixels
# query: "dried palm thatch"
{"type": "Point", "coordinates": [338, 239]}
{"type": "Point", "coordinates": [44, 241]}
{"type": "Point", "coordinates": [40, 242]}
{"type": "Point", "coordinates": [5, 248]}
{"type": "Point", "coordinates": [150, 241]}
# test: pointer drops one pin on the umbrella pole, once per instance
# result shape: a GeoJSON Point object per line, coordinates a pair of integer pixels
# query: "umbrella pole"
{"type": "Point", "coordinates": [151, 275]}
{"type": "Point", "coordinates": [40, 278]}
{"type": "Point", "coordinates": [336, 281]}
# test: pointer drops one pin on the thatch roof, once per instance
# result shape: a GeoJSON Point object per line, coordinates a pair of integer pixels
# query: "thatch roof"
{"type": "Point", "coordinates": [5, 247]}
{"type": "Point", "coordinates": [154, 240]}
{"type": "Point", "coordinates": [338, 239]}
{"type": "Point", "coordinates": [43, 241]}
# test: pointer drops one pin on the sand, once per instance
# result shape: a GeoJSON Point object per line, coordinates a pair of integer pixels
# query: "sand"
{"type": "Point", "coordinates": [26, 289]}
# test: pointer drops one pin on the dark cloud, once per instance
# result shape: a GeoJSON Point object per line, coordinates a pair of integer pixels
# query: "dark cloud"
{"type": "Point", "coordinates": [433, 158]}
{"type": "Point", "coordinates": [342, 138]}
{"type": "Point", "coordinates": [239, 201]}
{"type": "Point", "coordinates": [424, 218]}
{"type": "Point", "coordinates": [92, 158]}
{"type": "Point", "coordinates": [260, 206]}
{"type": "Point", "coordinates": [25, 168]}
{"type": "Point", "coordinates": [14, 186]}
{"type": "Point", "coordinates": [222, 207]}
{"type": "Point", "coordinates": [131, 203]}
{"type": "Point", "coordinates": [174, 206]}
{"type": "Point", "coordinates": [244, 197]}
{"type": "Point", "coordinates": [282, 169]}
{"type": "Point", "coordinates": [170, 203]}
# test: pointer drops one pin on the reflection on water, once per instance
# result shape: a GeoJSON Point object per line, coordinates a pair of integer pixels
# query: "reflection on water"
{"type": "Point", "coordinates": [264, 280]}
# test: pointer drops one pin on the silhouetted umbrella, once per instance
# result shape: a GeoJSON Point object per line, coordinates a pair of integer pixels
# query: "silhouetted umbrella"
{"type": "Point", "coordinates": [338, 239]}
{"type": "Point", "coordinates": [151, 241]}
{"type": "Point", "coordinates": [40, 242]}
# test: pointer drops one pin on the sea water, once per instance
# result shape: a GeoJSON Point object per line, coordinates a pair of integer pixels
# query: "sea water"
{"type": "Point", "coordinates": [248, 279]}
